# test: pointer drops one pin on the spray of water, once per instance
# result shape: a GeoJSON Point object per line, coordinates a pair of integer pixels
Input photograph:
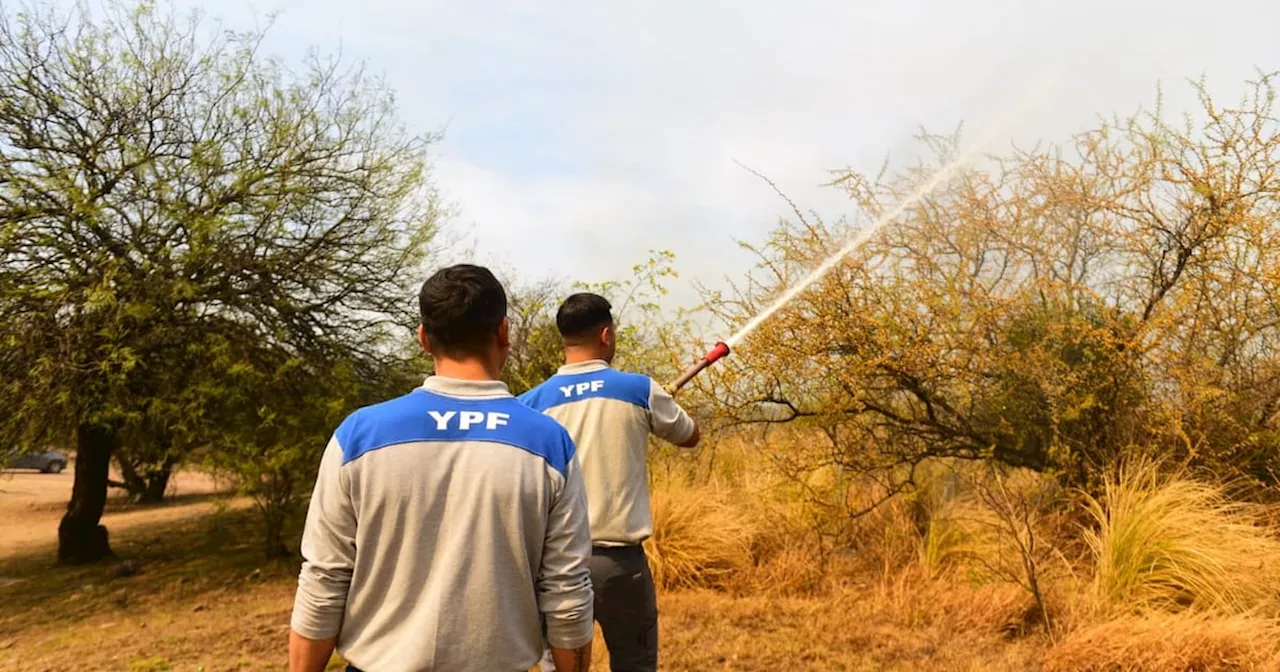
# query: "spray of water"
{"type": "Point", "coordinates": [857, 241]}
{"type": "Point", "coordinates": [944, 173]}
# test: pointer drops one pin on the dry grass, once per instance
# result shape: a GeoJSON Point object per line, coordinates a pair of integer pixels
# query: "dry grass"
{"type": "Point", "coordinates": [699, 540]}
{"type": "Point", "coordinates": [197, 594]}
{"type": "Point", "coordinates": [1168, 542]}
{"type": "Point", "coordinates": [1162, 543]}
{"type": "Point", "coordinates": [850, 629]}
{"type": "Point", "coordinates": [203, 601]}
{"type": "Point", "coordinates": [785, 566]}
{"type": "Point", "coordinates": [751, 577]}
{"type": "Point", "coordinates": [911, 600]}
{"type": "Point", "coordinates": [1172, 643]}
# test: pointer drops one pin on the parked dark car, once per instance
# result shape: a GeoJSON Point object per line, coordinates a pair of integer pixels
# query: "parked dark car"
{"type": "Point", "coordinates": [48, 461]}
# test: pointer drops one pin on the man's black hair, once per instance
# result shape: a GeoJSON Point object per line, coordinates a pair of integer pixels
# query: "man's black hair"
{"type": "Point", "coordinates": [462, 307]}
{"type": "Point", "coordinates": [582, 314]}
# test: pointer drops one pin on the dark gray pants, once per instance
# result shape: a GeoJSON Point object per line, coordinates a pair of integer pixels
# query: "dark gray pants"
{"type": "Point", "coordinates": [626, 607]}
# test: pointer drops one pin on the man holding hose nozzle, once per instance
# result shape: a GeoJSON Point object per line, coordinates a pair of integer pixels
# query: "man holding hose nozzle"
{"type": "Point", "coordinates": [610, 415]}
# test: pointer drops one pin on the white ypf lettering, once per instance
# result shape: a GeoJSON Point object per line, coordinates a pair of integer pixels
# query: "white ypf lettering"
{"type": "Point", "coordinates": [469, 419]}
{"type": "Point", "coordinates": [580, 389]}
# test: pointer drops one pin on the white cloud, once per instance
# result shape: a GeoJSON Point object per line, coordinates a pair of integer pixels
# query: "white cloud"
{"type": "Point", "coordinates": [581, 134]}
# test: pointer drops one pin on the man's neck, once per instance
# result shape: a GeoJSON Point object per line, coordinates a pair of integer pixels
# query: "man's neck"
{"type": "Point", "coordinates": [465, 369]}
{"type": "Point", "coordinates": [578, 355]}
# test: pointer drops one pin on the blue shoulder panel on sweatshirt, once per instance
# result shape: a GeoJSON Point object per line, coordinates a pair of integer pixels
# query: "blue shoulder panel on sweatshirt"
{"type": "Point", "coordinates": [560, 389]}
{"type": "Point", "coordinates": [426, 417]}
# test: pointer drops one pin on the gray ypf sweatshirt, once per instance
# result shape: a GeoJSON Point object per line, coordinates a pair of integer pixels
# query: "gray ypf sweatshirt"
{"type": "Point", "coordinates": [610, 415]}
{"type": "Point", "coordinates": [443, 526]}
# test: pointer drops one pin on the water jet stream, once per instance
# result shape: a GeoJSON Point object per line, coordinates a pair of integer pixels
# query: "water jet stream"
{"type": "Point", "coordinates": [722, 349]}
{"type": "Point", "coordinates": [927, 187]}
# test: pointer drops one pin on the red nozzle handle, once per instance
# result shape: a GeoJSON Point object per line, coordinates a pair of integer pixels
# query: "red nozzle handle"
{"type": "Point", "coordinates": [717, 352]}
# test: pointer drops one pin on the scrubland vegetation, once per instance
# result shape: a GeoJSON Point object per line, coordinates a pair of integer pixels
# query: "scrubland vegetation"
{"type": "Point", "coordinates": [1162, 570]}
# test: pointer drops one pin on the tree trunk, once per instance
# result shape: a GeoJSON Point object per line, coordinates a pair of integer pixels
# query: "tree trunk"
{"type": "Point", "coordinates": [273, 546]}
{"type": "Point", "coordinates": [148, 487]}
{"type": "Point", "coordinates": [81, 539]}
{"type": "Point", "coordinates": [273, 521]}
{"type": "Point", "coordinates": [133, 483]}
{"type": "Point", "coordinates": [275, 492]}
{"type": "Point", "coordinates": [157, 484]}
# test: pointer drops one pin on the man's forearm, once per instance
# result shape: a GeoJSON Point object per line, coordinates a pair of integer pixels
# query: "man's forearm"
{"type": "Point", "coordinates": [572, 660]}
{"type": "Point", "coordinates": [309, 655]}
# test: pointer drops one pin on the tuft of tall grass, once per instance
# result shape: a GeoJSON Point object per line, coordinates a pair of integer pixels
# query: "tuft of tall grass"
{"type": "Point", "coordinates": [910, 600]}
{"type": "Point", "coordinates": [949, 537]}
{"type": "Point", "coordinates": [699, 540]}
{"type": "Point", "coordinates": [1167, 542]}
{"type": "Point", "coordinates": [950, 527]}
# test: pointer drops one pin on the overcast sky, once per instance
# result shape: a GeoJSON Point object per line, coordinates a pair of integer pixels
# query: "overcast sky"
{"type": "Point", "coordinates": [581, 134]}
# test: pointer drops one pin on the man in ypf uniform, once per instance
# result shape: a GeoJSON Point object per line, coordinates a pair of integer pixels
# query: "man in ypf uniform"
{"type": "Point", "coordinates": [449, 525]}
{"type": "Point", "coordinates": [610, 415]}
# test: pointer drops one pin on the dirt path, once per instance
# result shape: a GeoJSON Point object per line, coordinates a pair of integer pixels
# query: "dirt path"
{"type": "Point", "coordinates": [31, 504]}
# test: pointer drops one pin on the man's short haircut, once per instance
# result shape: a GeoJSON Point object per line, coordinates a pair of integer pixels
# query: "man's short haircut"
{"type": "Point", "coordinates": [582, 314]}
{"type": "Point", "coordinates": [462, 307]}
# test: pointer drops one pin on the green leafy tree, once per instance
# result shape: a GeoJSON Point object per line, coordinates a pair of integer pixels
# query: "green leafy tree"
{"type": "Point", "coordinates": [286, 409]}
{"type": "Point", "coordinates": [167, 192]}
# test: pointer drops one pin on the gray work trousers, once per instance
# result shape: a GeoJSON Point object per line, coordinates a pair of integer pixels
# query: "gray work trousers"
{"type": "Point", "coordinates": [626, 607]}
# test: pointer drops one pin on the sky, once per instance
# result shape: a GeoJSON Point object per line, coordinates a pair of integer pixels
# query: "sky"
{"type": "Point", "coordinates": [578, 135]}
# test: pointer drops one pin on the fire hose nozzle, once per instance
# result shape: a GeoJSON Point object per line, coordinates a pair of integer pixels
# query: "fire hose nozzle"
{"type": "Point", "coordinates": [719, 351]}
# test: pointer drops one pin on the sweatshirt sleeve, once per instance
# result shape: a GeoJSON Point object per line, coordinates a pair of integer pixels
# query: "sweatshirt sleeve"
{"type": "Point", "coordinates": [667, 420]}
{"type": "Point", "coordinates": [564, 582]}
{"type": "Point", "coordinates": [328, 552]}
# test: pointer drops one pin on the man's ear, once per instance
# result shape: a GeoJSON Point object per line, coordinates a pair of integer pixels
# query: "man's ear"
{"type": "Point", "coordinates": [606, 335]}
{"type": "Point", "coordinates": [423, 341]}
{"type": "Point", "coordinates": [504, 333]}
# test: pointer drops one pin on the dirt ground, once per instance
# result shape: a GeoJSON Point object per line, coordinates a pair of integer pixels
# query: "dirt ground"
{"type": "Point", "coordinates": [32, 503]}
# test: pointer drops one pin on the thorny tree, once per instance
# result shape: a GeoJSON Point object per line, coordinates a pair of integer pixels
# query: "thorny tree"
{"type": "Point", "coordinates": [167, 193]}
{"type": "Point", "coordinates": [1051, 310]}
